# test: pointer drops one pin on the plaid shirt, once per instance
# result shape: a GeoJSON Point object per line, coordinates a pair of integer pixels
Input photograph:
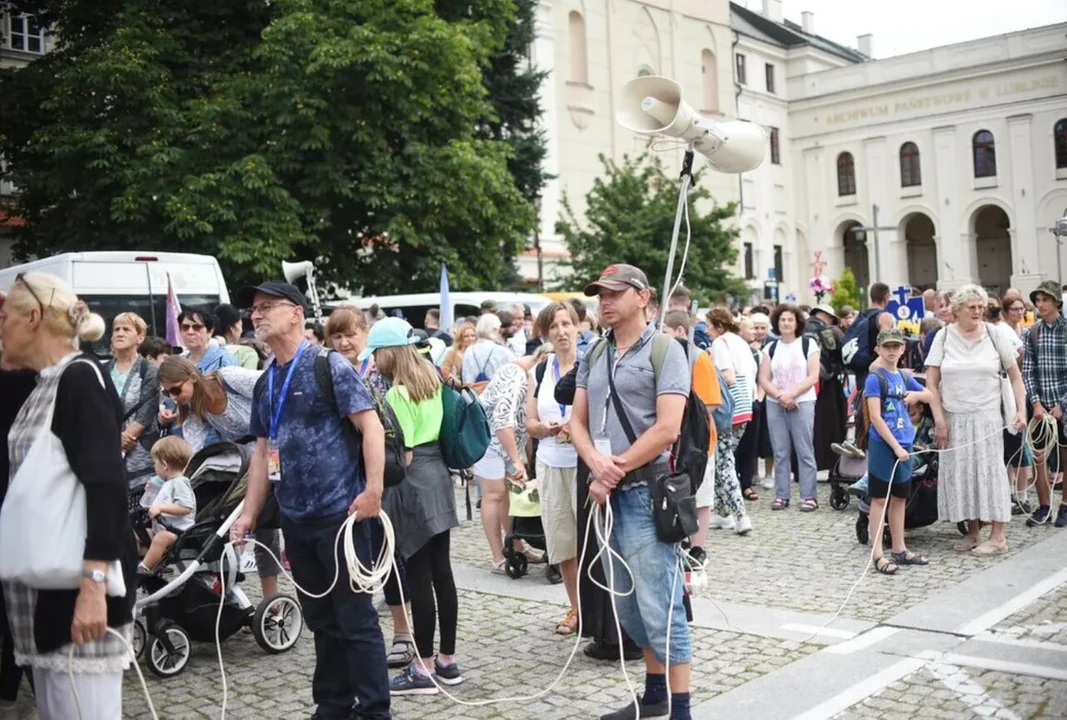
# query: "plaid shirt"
{"type": "Point", "coordinates": [1045, 373]}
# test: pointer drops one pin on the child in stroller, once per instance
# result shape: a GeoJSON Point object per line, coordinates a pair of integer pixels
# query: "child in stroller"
{"type": "Point", "coordinates": [180, 601]}
{"type": "Point", "coordinates": [169, 498]}
{"type": "Point", "coordinates": [524, 507]}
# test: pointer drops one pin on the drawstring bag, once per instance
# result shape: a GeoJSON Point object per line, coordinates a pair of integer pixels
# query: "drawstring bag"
{"type": "Point", "coordinates": [44, 521]}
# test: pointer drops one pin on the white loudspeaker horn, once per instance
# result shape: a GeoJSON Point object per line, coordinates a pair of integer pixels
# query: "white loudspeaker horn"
{"type": "Point", "coordinates": [653, 105]}
{"type": "Point", "coordinates": [297, 270]}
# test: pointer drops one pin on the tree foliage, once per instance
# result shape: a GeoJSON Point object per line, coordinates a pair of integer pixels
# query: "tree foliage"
{"type": "Point", "coordinates": [345, 131]}
{"type": "Point", "coordinates": [846, 292]}
{"type": "Point", "coordinates": [629, 219]}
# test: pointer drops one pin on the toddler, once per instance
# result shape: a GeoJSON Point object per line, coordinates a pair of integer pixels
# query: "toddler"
{"type": "Point", "coordinates": [173, 509]}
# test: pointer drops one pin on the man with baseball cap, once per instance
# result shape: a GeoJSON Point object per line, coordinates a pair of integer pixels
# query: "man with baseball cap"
{"type": "Point", "coordinates": [627, 415]}
{"type": "Point", "coordinates": [1045, 379]}
{"type": "Point", "coordinates": [302, 458]}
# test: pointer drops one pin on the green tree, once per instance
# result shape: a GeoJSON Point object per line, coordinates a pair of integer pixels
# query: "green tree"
{"type": "Point", "coordinates": [629, 218]}
{"type": "Point", "coordinates": [846, 292]}
{"type": "Point", "coordinates": [342, 131]}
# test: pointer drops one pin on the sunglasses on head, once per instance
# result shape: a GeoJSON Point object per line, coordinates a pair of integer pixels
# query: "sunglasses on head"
{"type": "Point", "coordinates": [21, 278]}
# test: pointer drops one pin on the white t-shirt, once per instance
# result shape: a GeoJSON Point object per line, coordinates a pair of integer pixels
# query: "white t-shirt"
{"type": "Point", "coordinates": [550, 452]}
{"type": "Point", "coordinates": [730, 352]}
{"type": "Point", "coordinates": [789, 367]}
{"type": "Point", "coordinates": [177, 491]}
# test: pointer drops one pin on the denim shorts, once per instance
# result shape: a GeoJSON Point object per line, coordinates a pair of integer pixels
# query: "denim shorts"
{"type": "Point", "coordinates": [655, 570]}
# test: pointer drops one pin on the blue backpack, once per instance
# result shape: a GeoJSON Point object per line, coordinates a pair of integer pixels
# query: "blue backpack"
{"type": "Point", "coordinates": [857, 350]}
{"type": "Point", "coordinates": [724, 414]}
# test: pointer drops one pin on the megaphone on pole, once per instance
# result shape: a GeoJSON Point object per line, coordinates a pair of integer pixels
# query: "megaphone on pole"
{"type": "Point", "coordinates": [306, 269]}
{"type": "Point", "coordinates": [653, 105]}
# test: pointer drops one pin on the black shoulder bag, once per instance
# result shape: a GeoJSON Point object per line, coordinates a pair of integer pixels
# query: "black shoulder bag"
{"type": "Point", "coordinates": [674, 509]}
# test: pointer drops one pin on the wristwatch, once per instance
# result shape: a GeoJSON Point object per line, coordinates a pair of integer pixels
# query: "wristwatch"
{"type": "Point", "coordinates": [97, 576]}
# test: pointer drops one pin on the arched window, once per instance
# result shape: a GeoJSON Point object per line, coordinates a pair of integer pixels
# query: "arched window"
{"type": "Point", "coordinates": [846, 175]}
{"type": "Point", "coordinates": [910, 172]}
{"type": "Point", "coordinates": [710, 71]}
{"type": "Point", "coordinates": [1059, 134]}
{"type": "Point", "coordinates": [579, 62]}
{"type": "Point", "coordinates": [985, 155]}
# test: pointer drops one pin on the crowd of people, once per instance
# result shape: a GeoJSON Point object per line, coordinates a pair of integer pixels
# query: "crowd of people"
{"type": "Point", "coordinates": [586, 406]}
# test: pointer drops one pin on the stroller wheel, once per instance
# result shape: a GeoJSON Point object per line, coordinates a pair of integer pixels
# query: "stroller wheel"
{"type": "Point", "coordinates": [515, 566]}
{"type": "Point", "coordinates": [839, 498]}
{"type": "Point", "coordinates": [553, 574]}
{"type": "Point", "coordinates": [863, 529]}
{"type": "Point", "coordinates": [277, 623]}
{"type": "Point", "coordinates": [139, 639]}
{"type": "Point", "coordinates": [165, 663]}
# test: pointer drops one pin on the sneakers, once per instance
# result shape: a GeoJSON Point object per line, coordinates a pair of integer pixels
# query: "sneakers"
{"type": "Point", "coordinates": [721, 523]}
{"type": "Point", "coordinates": [767, 483]}
{"type": "Point", "coordinates": [651, 710]}
{"type": "Point", "coordinates": [852, 450]}
{"type": "Point", "coordinates": [1040, 516]}
{"type": "Point", "coordinates": [743, 525]}
{"type": "Point", "coordinates": [859, 488]}
{"type": "Point", "coordinates": [412, 682]}
{"type": "Point", "coordinates": [447, 674]}
{"type": "Point", "coordinates": [1061, 516]}
{"type": "Point", "coordinates": [1021, 507]}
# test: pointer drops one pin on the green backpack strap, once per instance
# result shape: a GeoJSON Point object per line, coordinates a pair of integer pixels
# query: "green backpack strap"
{"type": "Point", "coordinates": [661, 342]}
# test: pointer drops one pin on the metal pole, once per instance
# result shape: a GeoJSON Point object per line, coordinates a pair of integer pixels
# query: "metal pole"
{"type": "Point", "coordinates": [683, 191]}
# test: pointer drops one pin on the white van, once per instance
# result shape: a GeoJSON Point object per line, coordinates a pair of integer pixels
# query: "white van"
{"type": "Point", "coordinates": [114, 282]}
{"type": "Point", "coordinates": [414, 306]}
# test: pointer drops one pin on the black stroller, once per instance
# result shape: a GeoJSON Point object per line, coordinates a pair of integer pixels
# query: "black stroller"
{"type": "Point", "coordinates": [528, 528]}
{"type": "Point", "coordinates": [921, 506]}
{"type": "Point", "coordinates": [179, 604]}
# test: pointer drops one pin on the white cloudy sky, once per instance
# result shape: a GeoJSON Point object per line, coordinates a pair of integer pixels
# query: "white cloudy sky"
{"type": "Point", "coordinates": [903, 26]}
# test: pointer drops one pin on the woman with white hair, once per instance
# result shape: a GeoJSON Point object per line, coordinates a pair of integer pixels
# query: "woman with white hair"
{"type": "Point", "coordinates": [68, 431]}
{"type": "Point", "coordinates": [487, 355]}
{"type": "Point", "coordinates": [963, 373]}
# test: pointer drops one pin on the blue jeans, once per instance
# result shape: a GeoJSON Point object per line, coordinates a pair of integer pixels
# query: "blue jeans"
{"type": "Point", "coordinates": [349, 648]}
{"type": "Point", "coordinates": [654, 565]}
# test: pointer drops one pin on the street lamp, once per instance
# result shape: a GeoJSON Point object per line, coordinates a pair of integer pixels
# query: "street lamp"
{"type": "Point", "coordinates": [1060, 231]}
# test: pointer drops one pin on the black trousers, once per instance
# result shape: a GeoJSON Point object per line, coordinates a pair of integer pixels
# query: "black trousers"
{"type": "Point", "coordinates": [429, 576]}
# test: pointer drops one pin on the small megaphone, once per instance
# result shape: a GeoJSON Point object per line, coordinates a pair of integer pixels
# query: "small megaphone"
{"type": "Point", "coordinates": [653, 105]}
{"type": "Point", "coordinates": [306, 269]}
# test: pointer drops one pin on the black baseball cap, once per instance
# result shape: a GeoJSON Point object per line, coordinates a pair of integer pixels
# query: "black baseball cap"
{"type": "Point", "coordinates": [247, 294]}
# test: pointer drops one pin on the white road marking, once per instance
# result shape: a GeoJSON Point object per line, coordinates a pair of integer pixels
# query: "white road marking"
{"type": "Point", "coordinates": [983, 622]}
{"type": "Point", "coordinates": [970, 693]}
{"type": "Point", "coordinates": [865, 640]}
{"type": "Point", "coordinates": [1002, 639]}
{"type": "Point", "coordinates": [862, 690]}
{"type": "Point", "coordinates": [1048, 672]}
{"type": "Point", "coordinates": [816, 631]}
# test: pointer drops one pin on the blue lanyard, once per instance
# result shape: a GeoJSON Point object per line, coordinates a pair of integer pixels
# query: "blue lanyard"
{"type": "Point", "coordinates": [276, 413]}
{"type": "Point", "coordinates": [363, 368]}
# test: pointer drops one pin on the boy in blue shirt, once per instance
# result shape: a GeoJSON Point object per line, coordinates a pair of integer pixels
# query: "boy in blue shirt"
{"type": "Point", "coordinates": [888, 393]}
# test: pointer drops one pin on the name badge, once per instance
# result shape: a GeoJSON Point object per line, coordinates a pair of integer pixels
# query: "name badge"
{"type": "Point", "coordinates": [274, 462]}
{"type": "Point", "coordinates": [602, 444]}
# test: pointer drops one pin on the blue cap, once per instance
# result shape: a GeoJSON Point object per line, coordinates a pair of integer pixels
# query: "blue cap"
{"type": "Point", "coordinates": [388, 332]}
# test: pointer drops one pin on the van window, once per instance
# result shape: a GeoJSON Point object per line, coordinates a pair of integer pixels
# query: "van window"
{"type": "Point", "coordinates": [153, 310]}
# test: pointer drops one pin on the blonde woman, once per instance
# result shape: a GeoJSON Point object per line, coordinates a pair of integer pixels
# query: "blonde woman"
{"type": "Point", "coordinates": [62, 634]}
{"type": "Point", "coordinates": [423, 507]}
{"type": "Point", "coordinates": [135, 380]}
{"type": "Point", "coordinates": [452, 363]}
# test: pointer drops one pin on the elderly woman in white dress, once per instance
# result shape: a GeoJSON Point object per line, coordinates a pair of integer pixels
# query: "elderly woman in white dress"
{"type": "Point", "coordinates": [963, 373]}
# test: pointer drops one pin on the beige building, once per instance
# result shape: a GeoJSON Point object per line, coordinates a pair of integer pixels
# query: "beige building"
{"type": "Point", "coordinates": [592, 48]}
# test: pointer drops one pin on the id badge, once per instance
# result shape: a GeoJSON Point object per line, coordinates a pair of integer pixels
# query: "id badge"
{"type": "Point", "coordinates": [602, 444]}
{"type": "Point", "coordinates": [274, 461]}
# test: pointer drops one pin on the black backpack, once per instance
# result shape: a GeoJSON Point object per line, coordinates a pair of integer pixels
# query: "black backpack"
{"type": "Point", "coordinates": [395, 459]}
{"type": "Point", "coordinates": [862, 432]}
{"type": "Point", "coordinates": [830, 362]}
{"type": "Point", "coordinates": [857, 352]}
{"type": "Point", "coordinates": [694, 440]}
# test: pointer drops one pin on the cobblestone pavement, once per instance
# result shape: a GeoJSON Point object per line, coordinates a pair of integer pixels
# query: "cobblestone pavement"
{"type": "Point", "coordinates": [801, 562]}
{"type": "Point", "coordinates": [947, 692]}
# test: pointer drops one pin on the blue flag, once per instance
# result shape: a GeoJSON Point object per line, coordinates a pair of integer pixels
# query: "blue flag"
{"type": "Point", "coordinates": [446, 302]}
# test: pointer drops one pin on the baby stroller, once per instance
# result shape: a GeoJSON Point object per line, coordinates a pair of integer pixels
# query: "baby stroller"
{"type": "Point", "coordinates": [179, 603]}
{"type": "Point", "coordinates": [525, 509]}
{"type": "Point", "coordinates": [847, 470]}
{"type": "Point", "coordinates": [920, 509]}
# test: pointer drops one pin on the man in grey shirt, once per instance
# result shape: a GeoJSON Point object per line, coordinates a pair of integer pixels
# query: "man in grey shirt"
{"type": "Point", "coordinates": [654, 402]}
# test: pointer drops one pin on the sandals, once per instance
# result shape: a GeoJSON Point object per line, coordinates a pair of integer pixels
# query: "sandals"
{"type": "Point", "coordinates": [989, 548]}
{"type": "Point", "coordinates": [966, 544]}
{"type": "Point", "coordinates": [909, 558]}
{"type": "Point", "coordinates": [809, 505]}
{"type": "Point", "coordinates": [750, 495]}
{"type": "Point", "coordinates": [885, 566]}
{"type": "Point", "coordinates": [779, 504]}
{"type": "Point", "coordinates": [569, 624]}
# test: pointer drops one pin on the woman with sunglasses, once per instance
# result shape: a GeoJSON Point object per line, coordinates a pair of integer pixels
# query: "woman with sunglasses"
{"type": "Point", "coordinates": [62, 634]}
{"type": "Point", "coordinates": [218, 408]}
{"type": "Point", "coordinates": [138, 387]}
{"type": "Point", "coordinates": [423, 507]}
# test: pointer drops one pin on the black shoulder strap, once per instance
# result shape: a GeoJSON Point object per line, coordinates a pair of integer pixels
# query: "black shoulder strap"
{"type": "Point", "coordinates": [539, 375]}
{"type": "Point", "coordinates": [620, 411]}
{"type": "Point", "coordinates": [324, 378]}
{"type": "Point", "coordinates": [771, 348]}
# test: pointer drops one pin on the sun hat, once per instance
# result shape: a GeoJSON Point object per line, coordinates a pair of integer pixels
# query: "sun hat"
{"type": "Point", "coordinates": [826, 309]}
{"type": "Point", "coordinates": [1050, 288]}
{"type": "Point", "coordinates": [389, 332]}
